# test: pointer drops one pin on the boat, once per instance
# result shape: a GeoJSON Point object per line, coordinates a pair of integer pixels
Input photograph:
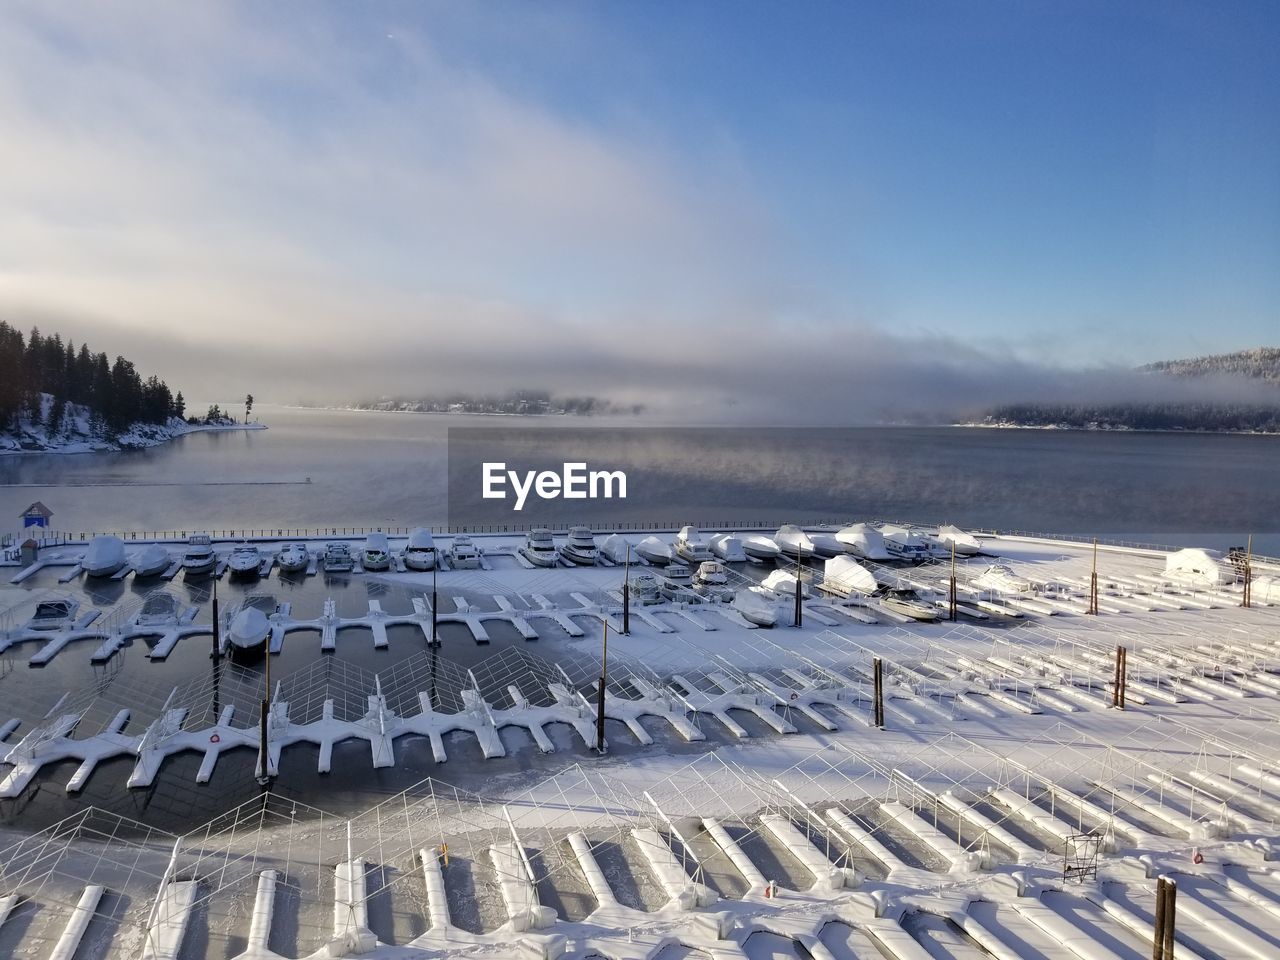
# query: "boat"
{"type": "Point", "coordinates": [794, 542]}
{"type": "Point", "coordinates": [376, 554]}
{"type": "Point", "coordinates": [56, 614]}
{"type": "Point", "coordinates": [293, 558]}
{"type": "Point", "coordinates": [420, 552]}
{"type": "Point", "coordinates": [615, 548]}
{"type": "Point", "coordinates": [905, 543]}
{"type": "Point", "coordinates": [105, 556]}
{"type": "Point", "coordinates": [338, 558]}
{"type": "Point", "coordinates": [760, 548]}
{"type": "Point", "coordinates": [159, 609]}
{"type": "Point", "coordinates": [691, 547]}
{"type": "Point", "coordinates": [151, 561]}
{"type": "Point", "coordinates": [951, 537]}
{"type": "Point", "coordinates": [908, 603]}
{"type": "Point", "coordinates": [654, 551]}
{"type": "Point", "coordinates": [199, 557]}
{"type": "Point", "coordinates": [539, 548]}
{"type": "Point", "coordinates": [712, 580]}
{"type": "Point", "coordinates": [677, 592]}
{"type": "Point", "coordinates": [753, 607]}
{"type": "Point", "coordinates": [999, 578]}
{"type": "Point", "coordinates": [580, 547]}
{"type": "Point", "coordinates": [783, 584]}
{"type": "Point", "coordinates": [678, 573]}
{"type": "Point", "coordinates": [865, 541]}
{"type": "Point", "coordinates": [462, 553]}
{"type": "Point", "coordinates": [728, 548]}
{"type": "Point", "coordinates": [826, 545]}
{"type": "Point", "coordinates": [247, 634]}
{"type": "Point", "coordinates": [644, 589]}
{"type": "Point", "coordinates": [846, 577]}
{"type": "Point", "coordinates": [245, 560]}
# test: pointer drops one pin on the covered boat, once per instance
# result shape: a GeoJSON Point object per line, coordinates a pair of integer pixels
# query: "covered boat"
{"type": "Point", "coordinates": [905, 543]}
{"type": "Point", "coordinates": [615, 548]}
{"type": "Point", "coordinates": [420, 553]}
{"type": "Point", "coordinates": [1000, 578]}
{"type": "Point", "coordinates": [1195, 564]}
{"type": "Point", "coordinates": [245, 560]}
{"type": "Point", "coordinates": [293, 557]}
{"type": "Point", "coordinates": [865, 541]}
{"type": "Point", "coordinates": [783, 584]}
{"type": "Point", "coordinates": [761, 548]}
{"type": "Point", "coordinates": [104, 557]}
{"type": "Point", "coordinates": [754, 607]}
{"type": "Point", "coordinates": [247, 634]}
{"type": "Point", "coordinates": [845, 577]}
{"type": "Point", "coordinates": [951, 537]}
{"type": "Point", "coordinates": [376, 554]}
{"type": "Point", "coordinates": [655, 551]}
{"type": "Point", "coordinates": [151, 561]}
{"type": "Point", "coordinates": [794, 542]}
{"type": "Point", "coordinates": [728, 548]}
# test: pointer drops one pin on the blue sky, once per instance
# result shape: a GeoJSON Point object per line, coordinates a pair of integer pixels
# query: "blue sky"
{"type": "Point", "coordinates": [1058, 183]}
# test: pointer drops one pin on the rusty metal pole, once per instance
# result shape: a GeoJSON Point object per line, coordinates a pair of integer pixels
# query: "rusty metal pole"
{"type": "Point", "coordinates": [604, 671]}
{"type": "Point", "coordinates": [951, 607]}
{"type": "Point", "coordinates": [1157, 947]}
{"type": "Point", "coordinates": [1093, 581]}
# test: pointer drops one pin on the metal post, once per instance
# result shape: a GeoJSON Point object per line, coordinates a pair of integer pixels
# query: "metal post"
{"type": "Point", "coordinates": [1124, 675]}
{"type": "Point", "coordinates": [1247, 597]}
{"type": "Point", "coordinates": [877, 673]}
{"type": "Point", "coordinates": [264, 749]}
{"type": "Point", "coordinates": [799, 619]}
{"type": "Point", "coordinates": [951, 606]}
{"type": "Point", "coordinates": [1093, 581]}
{"type": "Point", "coordinates": [1170, 916]}
{"type": "Point", "coordinates": [435, 604]}
{"type": "Point", "coordinates": [1157, 948]}
{"type": "Point", "coordinates": [626, 594]}
{"type": "Point", "coordinates": [604, 672]}
{"type": "Point", "coordinates": [217, 633]}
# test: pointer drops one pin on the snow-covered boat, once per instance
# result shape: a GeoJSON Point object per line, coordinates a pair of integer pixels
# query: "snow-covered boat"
{"type": "Point", "coordinates": [728, 548]}
{"type": "Point", "coordinates": [376, 554]}
{"type": "Point", "coordinates": [794, 542]}
{"type": "Point", "coordinates": [104, 557]}
{"type": "Point", "coordinates": [846, 577]}
{"type": "Point", "coordinates": [908, 604]}
{"type": "Point", "coordinates": [761, 548]}
{"type": "Point", "coordinates": [539, 548]}
{"type": "Point", "coordinates": [677, 592]}
{"type": "Point", "coordinates": [951, 537]}
{"type": "Point", "coordinates": [905, 543]}
{"type": "Point", "coordinates": [338, 558]}
{"type": "Point", "coordinates": [691, 546]}
{"type": "Point", "coordinates": [151, 561]}
{"type": "Point", "coordinates": [754, 607]}
{"type": "Point", "coordinates": [247, 634]}
{"type": "Point", "coordinates": [580, 547]}
{"type": "Point", "coordinates": [645, 589]}
{"type": "Point", "coordinates": [615, 548]}
{"type": "Point", "coordinates": [420, 553]}
{"type": "Point", "coordinates": [199, 557]}
{"type": "Point", "coordinates": [245, 560]}
{"type": "Point", "coordinates": [712, 580]}
{"type": "Point", "coordinates": [1197, 566]}
{"type": "Point", "coordinates": [293, 557]}
{"type": "Point", "coordinates": [1000, 578]}
{"type": "Point", "coordinates": [678, 573]}
{"type": "Point", "coordinates": [783, 584]}
{"type": "Point", "coordinates": [655, 551]}
{"type": "Point", "coordinates": [55, 614]}
{"type": "Point", "coordinates": [462, 553]}
{"type": "Point", "coordinates": [865, 541]}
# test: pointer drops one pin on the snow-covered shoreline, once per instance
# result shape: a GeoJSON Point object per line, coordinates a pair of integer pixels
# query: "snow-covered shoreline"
{"type": "Point", "coordinates": [141, 435]}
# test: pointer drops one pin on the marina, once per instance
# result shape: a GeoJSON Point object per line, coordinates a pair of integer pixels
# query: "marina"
{"type": "Point", "coordinates": [827, 783]}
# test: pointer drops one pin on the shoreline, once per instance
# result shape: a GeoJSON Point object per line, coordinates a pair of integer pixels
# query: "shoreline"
{"type": "Point", "coordinates": [1066, 428]}
{"type": "Point", "coordinates": [140, 437]}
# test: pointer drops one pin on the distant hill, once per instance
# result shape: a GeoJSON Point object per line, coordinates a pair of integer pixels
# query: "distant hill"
{"type": "Point", "coordinates": [1260, 363]}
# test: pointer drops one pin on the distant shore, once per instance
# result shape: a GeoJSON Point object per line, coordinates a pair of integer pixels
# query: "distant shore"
{"type": "Point", "coordinates": [137, 437]}
{"type": "Point", "coordinates": [1099, 428]}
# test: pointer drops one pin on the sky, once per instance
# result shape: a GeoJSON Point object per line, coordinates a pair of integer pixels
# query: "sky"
{"type": "Point", "coordinates": [696, 202]}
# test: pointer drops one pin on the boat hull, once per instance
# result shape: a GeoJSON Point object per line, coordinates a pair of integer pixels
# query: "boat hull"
{"type": "Point", "coordinates": [540, 559]}
{"type": "Point", "coordinates": [247, 652]}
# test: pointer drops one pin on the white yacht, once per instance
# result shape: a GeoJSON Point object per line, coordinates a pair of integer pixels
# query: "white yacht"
{"type": "Point", "coordinates": [760, 548]}
{"type": "Point", "coordinates": [539, 548]}
{"type": "Point", "coordinates": [580, 548]}
{"type": "Point", "coordinates": [616, 549]}
{"type": "Point", "coordinates": [293, 557]}
{"type": "Point", "coordinates": [755, 608]}
{"type": "Point", "coordinates": [247, 634]}
{"type": "Point", "coordinates": [462, 553]}
{"type": "Point", "coordinates": [420, 552]}
{"type": "Point", "coordinates": [199, 557]}
{"type": "Point", "coordinates": [245, 560]}
{"type": "Point", "coordinates": [952, 537]}
{"type": "Point", "coordinates": [376, 554]}
{"type": "Point", "coordinates": [655, 551]}
{"type": "Point", "coordinates": [1000, 578]}
{"type": "Point", "coordinates": [728, 548]}
{"type": "Point", "coordinates": [712, 580]}
{"type": "Point", "coordinates": [908, 603]}
{"type": "Point", "coordinates": [865, 541]}
{"type": "Point", "coordinates": [151, 561]}
{"type": "Point", "coordinates": [905, 543]}
{"type": "Point", "coordinates": [691, 546]}
{"type": "Point", "coordinates": [338, 558]}
{"type": "Point", "coordinates": [783, 584]}
{"type": "Point", "coordinates": [104, 558]}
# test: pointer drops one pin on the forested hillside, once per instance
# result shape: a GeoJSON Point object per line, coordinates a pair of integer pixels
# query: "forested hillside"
{"type": "Point", "coordinates": [1260, 363]}
{"type": "Point", "coordinates": [42, 378]}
